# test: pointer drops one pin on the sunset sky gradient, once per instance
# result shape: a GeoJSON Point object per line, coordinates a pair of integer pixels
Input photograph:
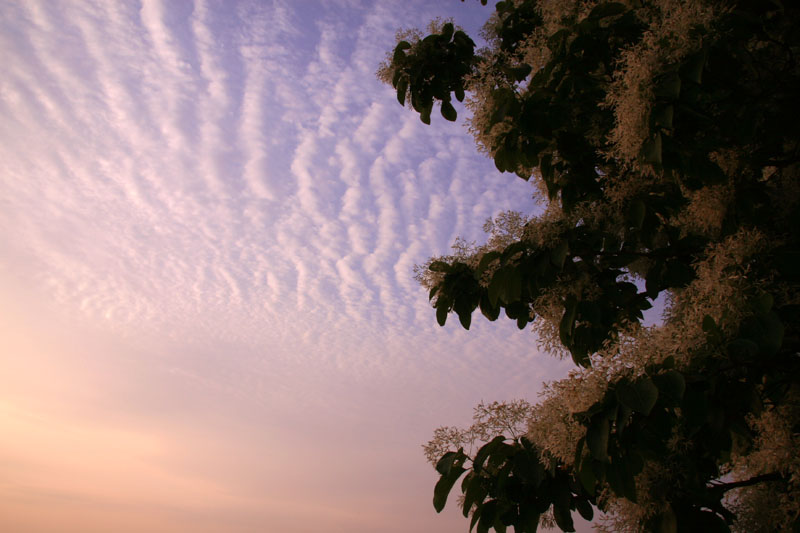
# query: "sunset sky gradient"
{"type": "Point", "coordinates": [209, 216]}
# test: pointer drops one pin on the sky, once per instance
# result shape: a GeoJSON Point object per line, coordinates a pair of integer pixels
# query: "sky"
{"type": "Point", "coordinates": [209, 216]}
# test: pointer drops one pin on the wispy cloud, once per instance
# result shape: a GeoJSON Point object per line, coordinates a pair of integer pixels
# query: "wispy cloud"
{"type": "Point", "coordinates": [226, 190]}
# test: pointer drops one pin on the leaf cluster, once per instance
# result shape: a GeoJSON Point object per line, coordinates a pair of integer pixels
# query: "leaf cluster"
{"type": "Point", "coordinates": [431, 69]}
{"type": "Point", "coordinates": [720, 115]}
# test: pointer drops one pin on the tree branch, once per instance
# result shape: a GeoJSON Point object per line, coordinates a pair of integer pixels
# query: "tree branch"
{"type": "Point", "coordinates": [725, 487]}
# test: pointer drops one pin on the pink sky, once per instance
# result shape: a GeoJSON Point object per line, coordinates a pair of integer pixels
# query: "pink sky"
{"type": "Point", "coordinates": [209, 216]}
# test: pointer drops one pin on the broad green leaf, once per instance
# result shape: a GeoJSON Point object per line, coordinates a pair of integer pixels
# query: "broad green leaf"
{"type": "Point", "coordinates": [448, 111]}
{"type": "Point", "coordinates": [519, 73]}
{"type": "Point", "coordinates": [692, 67]}
{"type": "Point", "coordinates": [475, 517]}
{"type": "Point", "coordinates": [488, 515]}
{"type": "Point", "coordinates": [447, 31]}
{"type": "Point", "coordinates": [635, 462]}
{"type": "Point", "coordinates": [640, 395]}
{"type": "Point", "coordinates": [446, 461]}
{"type": "Point", "coordinates": [742, 349]}
{"type": "Point", "coordinates": [709, 522]}
{"type": "Point", "coordinates": [762, 303]}
{"type": "Point", "coordinates": [651, 150]}
{"type": "Point", "coordinates": [773, 333]}
{"type": "Point", "coordinates": [623, 417]}
{"type": "Point", "coordinates": [626, 479]}
{"type": "Point", "coordinates": [491, 312]}
{"type": "Point", "coordinates": [487, 259]}
{"type": "Point", "coordinates": [528, 520]}
{"type": "Point", "coordinates": [710, 326]}
{"type": "Point", "coordinates": [443, 486]}
{"type": "Point", "coordinates": [677, 274]}
{"type": "Point", "coordinates": [694, 408]}
{"type": "Point", "coordinates": [671, 384]}
{"type": "Point", "coordinates": [425, 113]}
{"type": "Point", "coordinates": [568, 320]}
{"type": "Point", "coordinates": [441, 313]}
{"type": "Point", "coordinates": [465, 317]}
{"type": "Point", "coordinates": [512, 280]}
{"type": "Point", "coordinates": [500, 159]}
{"type": "Point", "coordinates": [485, 451]}
{"type": "Point", "coordinates": [584, 509]}
{"type": "Point", "coordinates": [636, 214]}
{"type": "Point", "coordinates": [669, 88]}
{"type": "Point", "coordinates": [497, 287]}
{"type": "Point", "coordinates": [399, 54]}
{"type": "Point", "coordinates": [559, 254]}
{"type": "Point", "coordinates": [439, 266]}
{"type": "Point", "coordinates": [607, 9]}
{"type": "Point", "coordinates": [580, 356]}
{"type": "Point", "coordinates": [433, 292]}
{"type": "Point", "coordinates": [667, 522]}
{"type": "Point", "coordinates": [402, 88]}
{"type": "Point", "coordinates": [563, 518]}
{"type": "Point", "coordinates": [474, 492]}
{"type": "Point", "coordinates": [588, 477]}
{"type": "Point", "coordinates": [512, 251]}
{"type": "Point", "coordinates": [613, 480]}
{"type": "Point", "coordinates": [597, 439]}
{"type": "Point", "coordinates": [663, 116]}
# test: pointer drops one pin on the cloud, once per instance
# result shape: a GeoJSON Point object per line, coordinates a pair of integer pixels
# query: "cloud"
{"type": "Point", "coordinates": [227, 193]}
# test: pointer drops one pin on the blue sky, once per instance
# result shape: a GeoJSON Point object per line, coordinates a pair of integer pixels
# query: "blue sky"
{"type": "Point", "coordinates": [209, 216]}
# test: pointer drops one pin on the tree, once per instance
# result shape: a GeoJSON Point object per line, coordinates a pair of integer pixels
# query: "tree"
{"type": "Point", "coordinates": [662, 140]}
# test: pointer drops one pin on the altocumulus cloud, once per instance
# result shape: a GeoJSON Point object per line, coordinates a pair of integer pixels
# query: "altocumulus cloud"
{"type": "Point", "coordinates": [226, 194]}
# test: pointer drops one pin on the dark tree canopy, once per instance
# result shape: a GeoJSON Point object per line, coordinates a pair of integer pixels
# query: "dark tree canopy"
{"type": "Point", "coordinates": [662, 140]}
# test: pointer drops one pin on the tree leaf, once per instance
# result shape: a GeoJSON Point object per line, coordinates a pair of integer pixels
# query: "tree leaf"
{"type": "Point", "coordinates": [692, 67]}
{"type": "Point", "coordinates": [651, 150]}
{"type": "Point", "coordinates": [662, 116]}
{"type": "Point", "coordinates": [425, 113]}
{"type": "Point", "coordinates": [447, 31]}
{"type": "Point", "coordinates": [439, 266]}
{"type": "Point", "coordinates": [626, 479]}
{"type": "Point", "coordinates": [446, 461]}
{"type": "Point", "coordinates": [399, 54]}
{"type": "Point", "coordinates": [441, 313]}
{"type": "Point", "coordinates": [563, 518]}
{"type": "Point", "coordinates": [607, 9]}
{"type": "Point", "coordinates": [669, 88]}
{"type": "Point", "coordinates": [488, 514]}
{"type": "Point", "coordinates": [671, 384]}
{"type": "Point", "coordinates": [587, 477]}
{"type": "Point", "coordinates": [512, 290]}
{"type": "Point", "coordinates": [443, 486]}
{"type": "Point", "coordinates": [486, 260]}
{"type": "Point", "coordinates": [448, 111]}
{"type": "Point", "coordinates": [597, 439]}
{"type": "Point", "coordinates": [636, 214]}
{"type": "Point", "coordinates": [568, 320]}
{"type": "Point", "coordinates": [666, 522]}
{"type": "Point", "coordinates": [640, 396]}
{"type": "Point", "coordinates": [584, 509]}
{"type": "Point", "coordinates": [433, 292]}
{"type": "Point", "coordinates": [465, 318]}
{"type": "Point", "coordinates": [500, 160]}
{"type": "Point", "coordinates": [402, 88]}
{"type": "Point", "coordinates": [559, 254]}
{"type": "Point", "coordinates": [491, 312]}
{"type": "Point", "coordinates": [475, 517]}
{"type": "Point", "coordinates": [474, 494]}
